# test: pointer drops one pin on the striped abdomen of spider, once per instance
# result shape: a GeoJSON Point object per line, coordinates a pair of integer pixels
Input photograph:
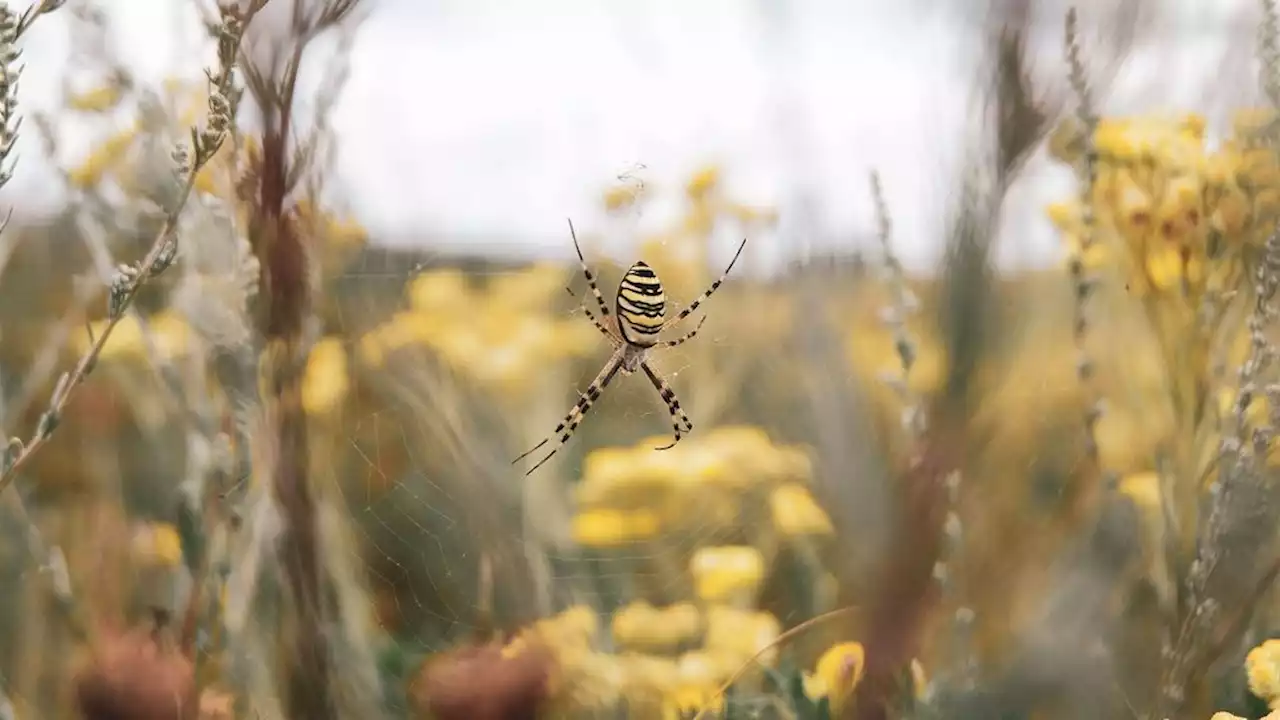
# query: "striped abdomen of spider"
{"type": "Point", "coordinates": [641, 308]}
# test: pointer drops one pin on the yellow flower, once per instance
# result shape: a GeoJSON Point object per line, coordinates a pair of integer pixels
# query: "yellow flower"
{"type": "Point", "coordinates": [1132, 207]}
{"type": "Point", "coordinates": [620, 197]}
{"type": "Point", "coordinates": [703, 183]}
{"type": "Point", "coordinates": [691, 698]}
{"type": "Point", "coordinates": [727, 572]}
{"type": "Point", "coordinates": [620, 477]}
{"type": "Point", "coordinates": [796, 513]}
{"type": "Point", "coordinates": [699, 221]}
{"type": "Point", "coordinates": [346, 233]}
{"type": "Point", "coordinates": [1232, 212]}
{"type": "Point", "coordinates": [734, 636]}
{"type": "Point", "coordinates": [109, 154]}
{"type": "Point", "coordinates": [640, 626]}
{"type": "Point", "coordinates": [605, 528]}
{"type": "Point", "coordinates": [157, 544]}
{"type": "Point", "coordinates": [1192, 126]}
{"type": "Point", "coordinates": [533, 289]}
{"type": "Point", "coordinates": [97, 100]}
{"type": "Point", "coordinates": [325, 383]}
{"type": "Point", "coordinates": [1262, 665]}
{"type": "Point", "coordinates": [837, 673]}
{"type": "Point", "coordinates": [169, 336]}
{"type": "Point", "coordinates": [1226, 716]}
{"type": "Point", "coordinates": [439, 291]}
{"type": "Point", "coordinates": [1170, 268]}
{"type": "Point", "coordinates": [1181, 210]}
{"type": "Point", "coordinates": [578, 623]}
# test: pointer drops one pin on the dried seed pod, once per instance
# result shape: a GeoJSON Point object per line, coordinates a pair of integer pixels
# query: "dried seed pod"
{"type": "Point", "coordinates": [134, 676]}
{"type": "Point", "coordinates": [480, 683]}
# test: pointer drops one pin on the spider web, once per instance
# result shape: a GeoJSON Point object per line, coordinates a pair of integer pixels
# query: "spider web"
{"type": "Point", "coordinates": [429, 483]}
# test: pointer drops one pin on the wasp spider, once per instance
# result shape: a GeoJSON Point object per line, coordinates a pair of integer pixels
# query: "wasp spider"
{"type": "Point", "coordinates": [641, 308]}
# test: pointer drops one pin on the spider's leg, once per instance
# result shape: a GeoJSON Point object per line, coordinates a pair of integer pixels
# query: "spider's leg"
{"type": "Point", "coordinates": [678, 417]}
{"type": "Point", "coordinates": [710, 291]}
{"type": "Point", "coordinates": [571, 421]}
{"type": "Point", "coordinates": [686, 337]}
{"type": "Point", "coordinates": [592, 317]}
{"type": "Point", "coordinates": [586, 271]}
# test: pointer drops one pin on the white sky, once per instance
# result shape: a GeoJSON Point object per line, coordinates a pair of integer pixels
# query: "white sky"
{"type": "Point", "coordinates": [486, 123]}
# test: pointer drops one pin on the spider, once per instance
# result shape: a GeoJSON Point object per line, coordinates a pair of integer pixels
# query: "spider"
{"type": "Point", "coordinates": [641, 315]}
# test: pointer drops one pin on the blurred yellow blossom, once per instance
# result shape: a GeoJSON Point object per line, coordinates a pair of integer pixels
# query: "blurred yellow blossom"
{"type": "Point", "coordinates": [703, 182]}
{"type": "Point", "coordinates": [688, 698]}
{"type": "Point", "coordinates": [605, 528]}
{"type": "Point", "coordinates": [443, 290]}
{"type": "Point", "coordinates": [796, 512]}
{"type": "Point", "coordinates": [738, 634]}
{"type": "Point", "coordinates": [96, 100]}
{"type": "Point", "coordinates": [613, 476]}
{"type": "Point", "coordinates": [157, 544]}
{"type": "Point", "coordinates": [325, 383]}
{"type": "Point", "coordinates": [837, 673]}
{"type": "Point", "coordinates": [1262, 666]}
{"type": "Point", "coordinates": [724, 573]}
{"type": "Point", "coordinates": [535, 288]}
{"type": "Point", "coordinates": [169, 336]}
{"type": "Point", "coordinates": [643, 627]}
{"type": "Point", "coordinates": [620, 197]}
{"type": "Point", "coordinates": [107, 156]}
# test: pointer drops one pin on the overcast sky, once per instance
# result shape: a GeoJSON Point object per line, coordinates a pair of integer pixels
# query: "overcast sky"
{"type": "Point", "coordinates": [488, 122]}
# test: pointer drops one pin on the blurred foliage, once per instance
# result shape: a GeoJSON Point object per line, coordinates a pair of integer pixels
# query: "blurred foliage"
{"type": "Point", "coordinates": [738, 559]}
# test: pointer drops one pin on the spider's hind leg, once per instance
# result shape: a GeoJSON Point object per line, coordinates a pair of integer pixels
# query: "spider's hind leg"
{"type": "Point", "coordinates": [571, 421]}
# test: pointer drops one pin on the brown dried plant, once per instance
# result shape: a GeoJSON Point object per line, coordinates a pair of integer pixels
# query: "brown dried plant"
{"type": "Point", "coordinates": [273, 59]}
{"type": "Point", "coordinates": [907, 590]}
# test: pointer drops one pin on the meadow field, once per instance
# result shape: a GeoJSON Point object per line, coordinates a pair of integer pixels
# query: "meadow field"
{"type": "Point", "coordinates": [260, 464]}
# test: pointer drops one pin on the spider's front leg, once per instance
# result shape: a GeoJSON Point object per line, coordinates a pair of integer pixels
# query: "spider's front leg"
{"type": "Point", "coordinates": [678, 417]}
{"type": "Point", "coordinates": [594, 320]}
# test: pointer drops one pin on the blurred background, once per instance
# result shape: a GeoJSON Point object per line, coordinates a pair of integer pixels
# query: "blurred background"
{"type": "Point", "coordinates": [896, 479]}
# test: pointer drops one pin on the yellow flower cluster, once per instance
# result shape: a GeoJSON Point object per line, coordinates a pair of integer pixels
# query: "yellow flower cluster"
{"type": "Point", "coordinates": [165, 334]}
{"type": "Point", "coordinates": [500, 335]}
{"type": "Point", "coordinates": [674, 660]}
{"type": "Point", "coordinates": [671, 660]}
{"type": "Point", "coordinates": [326, 382]}
{"type": "Point", "coordinates": [679, 252]}
{"type": "Point", "coordinates": [1262, 665]}
{"type": "Point", "coordinates": [1165, 207]}
{"type": "Point", "coordinates": [711, 481]}
{"type": "Point", "coordinates": [712, 485]}
{"type": "Point", "coordinates": [156, 544]}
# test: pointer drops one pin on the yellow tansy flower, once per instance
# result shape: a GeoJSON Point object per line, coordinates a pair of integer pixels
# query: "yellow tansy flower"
{"type": "Point", "coordinates": [1262, 665]}
{"type": "Point", "coordinates": [837, 673]}
{"type": "Point", "coordinates": [605, 528]}
{"type": "Point", "coordinates": [727, 572]}
{"type": "Point", "coordinates": [325, 383]}
{"type": "Point", "coordinates": [158, 544]}
{"type": "Point", "coordinates": [796, 513]}
{"type": "Point", "coordinates": [703, 182]}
